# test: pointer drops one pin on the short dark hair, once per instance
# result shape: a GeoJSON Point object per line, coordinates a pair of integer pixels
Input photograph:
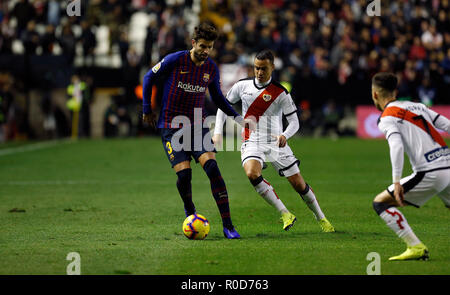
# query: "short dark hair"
{"type": "Point", "coordinates": [386, 81]}
{"type": "Point", "coordinates": [206, 31]}
{"type": "Point", "coordinates": [265, 54]}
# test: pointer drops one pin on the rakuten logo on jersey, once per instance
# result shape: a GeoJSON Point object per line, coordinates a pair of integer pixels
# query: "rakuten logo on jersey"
{"type": "Point", "coordinates": [191, 88]}
{"type": "Point", "coordinates": [437, 153]}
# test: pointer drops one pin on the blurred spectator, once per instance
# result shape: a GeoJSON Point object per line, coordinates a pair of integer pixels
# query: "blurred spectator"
{"type": "Point", "coordinates": [117, 121]}
{"type": "Point", "coordinates": [88, 42]}
{"type": "Point", "coordinates": [53, 12]}
{"type": "Point", "coordinates": [6, 101]}
{"type": "Point", "coordinates": [23, 11]}
{"type": "Point", "coordinates": [432, 39]}
{"type": "Point", "coordinates": [417, 50]}
{"type": "Point", "coordinates": [6, 38]}
{"type": "Point", "coordinates": [426, 92]}
{"type": "Point", "coordinates": [48, 40]}
{"type": "Point", "coordinates": [79, 103]}
{"type": "Point", "coordinates": [67, 41]}
{"type": "Point", "coordinates": [131, 72]}
{"type": "Point", "coordinates": [30, 38]}
{"type": "Point", "coordinates": [150, 39]}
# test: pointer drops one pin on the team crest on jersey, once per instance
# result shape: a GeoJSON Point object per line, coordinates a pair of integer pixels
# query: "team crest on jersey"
{"type": "Point", "coordinates": [206, 77]}
{"type": "Point", "coordinates": [157, 66]}
{"type": "Point", "coordinates": [267, 97]}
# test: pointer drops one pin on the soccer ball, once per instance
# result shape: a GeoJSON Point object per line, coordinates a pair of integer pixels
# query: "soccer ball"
{"type": "Point", "coordinates": [196, 227]}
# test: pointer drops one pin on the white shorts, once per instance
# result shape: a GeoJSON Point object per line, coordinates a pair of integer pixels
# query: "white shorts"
{"type": "Point", "coordinates": [282, 158]}
{"type": "Point", "coordinates": [421, 186]}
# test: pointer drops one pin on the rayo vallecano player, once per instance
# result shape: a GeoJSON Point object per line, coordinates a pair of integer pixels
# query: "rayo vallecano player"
{"type": "Point", "coordinates": [266, 101]}
{"type": "Point", "coordinates": [410, 127]}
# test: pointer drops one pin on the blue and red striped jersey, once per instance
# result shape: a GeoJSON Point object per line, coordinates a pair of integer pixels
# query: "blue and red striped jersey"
{"type": "Point", "coordinates": [183, 85]}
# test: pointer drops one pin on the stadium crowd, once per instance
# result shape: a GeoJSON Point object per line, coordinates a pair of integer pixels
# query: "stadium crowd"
{"type": "Point", "coordinates": [327, 50]}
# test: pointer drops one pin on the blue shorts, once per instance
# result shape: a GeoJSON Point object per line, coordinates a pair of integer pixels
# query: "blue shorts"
{"type": "Point", "coordinates": [184, 144]}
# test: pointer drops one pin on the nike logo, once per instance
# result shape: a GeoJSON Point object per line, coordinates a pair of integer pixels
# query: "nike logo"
{"type": "Point", "coordinates": [182, 72]}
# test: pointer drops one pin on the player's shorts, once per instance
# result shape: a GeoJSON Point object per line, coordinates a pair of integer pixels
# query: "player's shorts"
{"type": "Point", "coordinates": [282, 158]}
{"type": "Point", "coordinates": [186, 143]}
{"type": "Point", "coordinates": [419, 187]}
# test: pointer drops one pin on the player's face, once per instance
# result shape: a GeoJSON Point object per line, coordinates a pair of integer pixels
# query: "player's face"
{"type": "Point", "coordinates": [263, 69]}
{"type": "Point", "coordinates": [201, 49]}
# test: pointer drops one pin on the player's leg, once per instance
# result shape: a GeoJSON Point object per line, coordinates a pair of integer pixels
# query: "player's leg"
{"type": "Point", "coordinates": [205, 155]}
{"type": "Point", "coordinates": [253, 168]}
{"type": "Point", "coordinates": [180, 161]}
{"type": "Point", "coordinates": [219, 192]}
{"type": "Point", "coordinates": [418, 189]}
{"type": "Point", "coordinates": [253, 157]}
{"type": "Point", "coordinates": [307, 194]}
{"type": "Point", "coordinates": [287, 165]}
{"type": "Point", "coordinates": [386, 207]}
{"type": "Point", "coordinates": [184, 185]}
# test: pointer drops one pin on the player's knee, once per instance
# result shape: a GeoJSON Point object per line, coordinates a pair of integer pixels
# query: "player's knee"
{"type": "Point", "coordinates": [255, 179]}
{"type": "Point", "coordinates": [211, 168]}
{"type": "Point", "coordinates": [252, 175]}
{"type": "Point", "coordinates": [380, 207]}
{"type": "Point", "coordinates": [185, 175]}
{"type": "Point", "coordinates": [302, 188]}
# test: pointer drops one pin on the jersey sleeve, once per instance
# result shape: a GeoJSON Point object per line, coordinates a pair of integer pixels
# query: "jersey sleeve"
{"type": "Point", "coordinates": [439, 121]}
{"type": "Point", "coordinates": [288, 105]}
{"type": "Point", "coordinates": [388, 126]}
{"type": "Point", "coordinates": [396, 155]}
{"type": "Point", "coordinates": [152, 76]}
{"type": "Point", "coordinates": [234, 94]}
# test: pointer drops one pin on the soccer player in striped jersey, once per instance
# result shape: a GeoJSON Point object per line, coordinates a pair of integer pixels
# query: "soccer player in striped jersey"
{"type": "Point", "coordinates": [410, 127]}
{"type": "Point", "coordinates": [183, 77]}
{"type": "Point", "coordinates": [266, 101]}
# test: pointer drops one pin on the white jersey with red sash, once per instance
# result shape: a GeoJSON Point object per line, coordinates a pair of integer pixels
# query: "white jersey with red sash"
{"type": "Point", "coordinates": [417, 125]}
{"type": "Point", "coordinates": [266, 104]}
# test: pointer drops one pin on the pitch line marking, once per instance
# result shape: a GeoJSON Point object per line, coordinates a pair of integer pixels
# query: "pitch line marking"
{"type": "Point", "coordinates": [32, 147]}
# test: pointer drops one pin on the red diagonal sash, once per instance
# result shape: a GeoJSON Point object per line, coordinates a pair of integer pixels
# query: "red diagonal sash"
{"type": "Point", "coordinates": [261, 104]}
{"type": "Point", "coordinates": [415, 119]}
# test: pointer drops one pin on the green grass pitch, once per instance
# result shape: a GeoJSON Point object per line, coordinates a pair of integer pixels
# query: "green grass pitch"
{"type": "Point", "coordinates": [115, 203]}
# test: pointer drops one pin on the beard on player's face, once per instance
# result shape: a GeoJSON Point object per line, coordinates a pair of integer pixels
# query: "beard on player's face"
{"type": "Point", "coordinates": [200, 56]}
{"type": "Point", "coordinates": [201, 49]}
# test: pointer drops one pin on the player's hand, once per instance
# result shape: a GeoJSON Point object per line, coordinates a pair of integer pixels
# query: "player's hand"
{"type": "Point", "coordinates": [281, 141]}
{"type": "Point", "coordinates": [250, 124]}
{"type": "Point", "coordinates": [398, 194]}
{"type": "Point", "coordinates": [218, 140]}
{"type": "Point", "coordinates": [149, 119]}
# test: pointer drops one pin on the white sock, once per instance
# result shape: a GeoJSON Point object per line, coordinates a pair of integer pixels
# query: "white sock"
{"type": "Point", "coordinates": [310, 200]}
{"type": "Point", "coordinates": [397, 222]}
{"type": "Point", "coordinates": [265, 190]}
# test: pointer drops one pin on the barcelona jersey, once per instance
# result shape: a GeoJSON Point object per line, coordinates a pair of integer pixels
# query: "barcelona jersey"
{"type": "Point", "coordinates": [183, 85]}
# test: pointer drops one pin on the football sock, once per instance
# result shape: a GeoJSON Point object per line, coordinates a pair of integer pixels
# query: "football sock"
{"type": "Point", "coordinates": [396, 221]}
{"type": "Point", "coordinates": [219, 191]}
{"type": "Point", "coordinates": [266, 191]}
{"type": "Point", "coordinates": [185, 189]}
{"type": "Point", "coordinates": [310, 200]}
